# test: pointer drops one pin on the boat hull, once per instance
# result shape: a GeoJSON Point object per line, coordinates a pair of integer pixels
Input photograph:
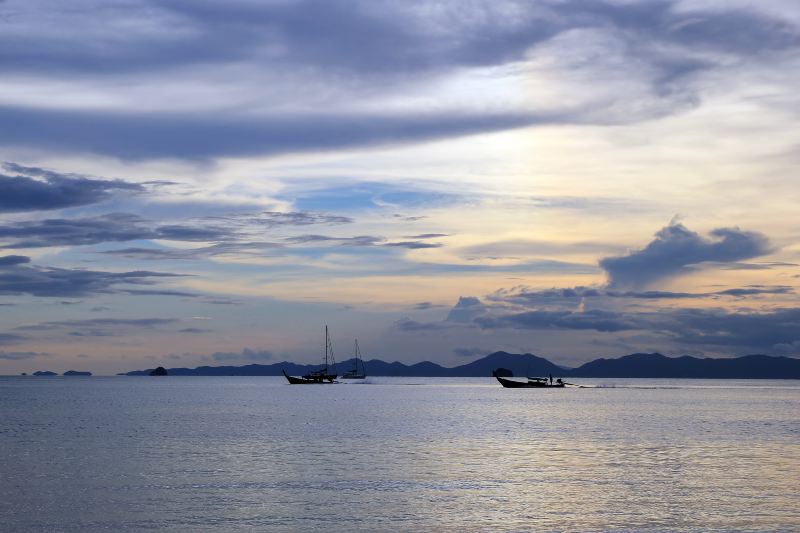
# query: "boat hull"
{"type": "Point", "coordinates": [310, 380]}
{"type": "Point", "coordinates": [511, 384]}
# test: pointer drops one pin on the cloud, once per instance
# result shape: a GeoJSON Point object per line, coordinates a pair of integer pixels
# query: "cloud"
{"type": "Point", "coordinates": [245, 355]}
{"type": "Point", "coordinates": [100, 327]}
{"type": "Point", "coordinates": [122, 227]}
{"type": "Point", "coordinates": [379, 37]}
{"type": "Point", "coordinates": [681, 327]}
{"type": "Point", "coordinates": [755, 290]}
{"type": "Point", "coordinates": [33, 188]}
{"type": "Point", "coordinates": [158, 292]}
{"type": "Point", "coordinates": [675, 248]}
{"type": "Point", "coordinates": [413, 245]}
{"type": "Point", "coordinates": [20, 356]}
{"type": "Point", "coordinates": [214, 250]}
{"type": "Point", "coordinates": [427, 236]}
{"type": "Point", "coordinates": [468, 352]}
{"type": "Point", "coordinates": [570, 295]}
{"type": "Point", "coordinates": [296, 61]}
{"type": "Point", "coordinates": [112, 227]}
{"type": "Point", "coordinates": [12, 260]}
{"type": "Point", "coordinates": [10, 338]}
{"type": "Point", "coordinates": [359, 240]}
{"type": "Point", "coordinates": [763, 330]}
{"type": "Point", "coordinates": [407, 324]}
{"type": "Point", "coordinates": [597, 320]}
{"type": "Point", "coordinates": [466, 309]}
{"type": "Point", "coordinates": [222, 301]}
{"type": "Point", "coordinates": [201, 136]}
{"type": "Point", "coordinates": [195, 330]}
{"type": "Point", "coordinates": [61, 282]}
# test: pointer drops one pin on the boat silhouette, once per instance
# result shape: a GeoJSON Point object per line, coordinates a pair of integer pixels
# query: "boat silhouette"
{"type": "Point", "coordinates": [532, 383]}
{"type": "Point", "coordinates": [355, 373]}
{"type": "Point", "coordinates": [321, 376]}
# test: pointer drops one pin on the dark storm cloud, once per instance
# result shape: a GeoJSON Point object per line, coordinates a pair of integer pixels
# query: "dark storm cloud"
{"type": "Point", "coordinates": [675, 248]}
{"type": "Point", "coordinates": [61, 282]}
{"type": "Point", "coordinates": [33, 188]}
{"type": "Point", "coordinates": [198, 136]}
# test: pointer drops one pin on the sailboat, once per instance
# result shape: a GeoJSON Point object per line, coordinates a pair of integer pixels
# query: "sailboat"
{"type": "Point", "coordinates": [356, 373]}
{"type": "Point", "coordinates": [321, 376]}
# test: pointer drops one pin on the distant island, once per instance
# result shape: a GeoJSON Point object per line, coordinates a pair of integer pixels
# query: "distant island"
{"type": "Point", "coordinates": [44, 373]}
{"type": "Point", "coordinates": [69, 373]}
{"type": "Point", "coordinates": [639, 365]}
{"type": "Point", "coordinates": [160, 371]}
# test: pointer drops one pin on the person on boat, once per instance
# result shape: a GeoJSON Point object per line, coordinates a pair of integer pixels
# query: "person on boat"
{"type": "Point", "coordinates": [551, 379]}
{"type": "Point", "coordinates": [559, 382]}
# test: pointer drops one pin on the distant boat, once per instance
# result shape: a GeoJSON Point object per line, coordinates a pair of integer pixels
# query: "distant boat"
{"type": "Point", "coordinates": [532, 383]}
{"type": "Point", "coordinates": [356, 373]}
{"type": "Point", "coordinates": [321, 376]}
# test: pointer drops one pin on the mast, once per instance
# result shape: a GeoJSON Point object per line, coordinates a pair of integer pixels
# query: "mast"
{"type": "Point", "coordinates": [327, 342]}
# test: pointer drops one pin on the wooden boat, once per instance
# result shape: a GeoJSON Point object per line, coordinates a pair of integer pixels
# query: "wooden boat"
{"type": "Point", "coordinates": [532, 383]}
{"type": "Point", "coordinates": [355, 373]}
{"type": "Point", "coordinates": [321, 376]}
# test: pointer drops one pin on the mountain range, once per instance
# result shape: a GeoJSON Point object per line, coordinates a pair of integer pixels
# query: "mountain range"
{"type": "Point", "coordinates": [639, 365]}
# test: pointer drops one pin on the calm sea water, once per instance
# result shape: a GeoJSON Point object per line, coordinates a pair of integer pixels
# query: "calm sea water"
{"type": "Point", "coordinates": [398, 454]}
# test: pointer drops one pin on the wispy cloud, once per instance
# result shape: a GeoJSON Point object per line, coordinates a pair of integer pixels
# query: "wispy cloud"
{"type": "Point", "coordinates": [21, 356]}
{"type": "Point", "coordinates": [18, 278]}
{"type": "Point", "coordinates": [33, 188]}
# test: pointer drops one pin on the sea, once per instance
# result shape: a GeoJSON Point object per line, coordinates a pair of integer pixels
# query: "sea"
{"type": "Point", "coordinates": [397, 454]}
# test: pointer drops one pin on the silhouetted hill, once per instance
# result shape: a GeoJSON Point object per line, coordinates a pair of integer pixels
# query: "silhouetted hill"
{"type": "Point", "coordinates": [638, 365]}
{"type": "Point", "coordinates": [521, 365]}
{"type": "Point", "coordinates": [76, 373]}
{"type": "Point", "coordinates": [655, 365]}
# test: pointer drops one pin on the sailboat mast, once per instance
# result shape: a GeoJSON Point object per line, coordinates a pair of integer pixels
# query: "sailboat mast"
{"type": "Point", "coordinates": [326, 347]}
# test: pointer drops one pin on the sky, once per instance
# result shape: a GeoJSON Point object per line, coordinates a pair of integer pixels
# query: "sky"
{"type": "Point", "coordinates": [208, 183]}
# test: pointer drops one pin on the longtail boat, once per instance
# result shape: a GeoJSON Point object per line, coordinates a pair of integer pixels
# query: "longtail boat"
{"type": "Point", "coordinates": [532, 383]}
